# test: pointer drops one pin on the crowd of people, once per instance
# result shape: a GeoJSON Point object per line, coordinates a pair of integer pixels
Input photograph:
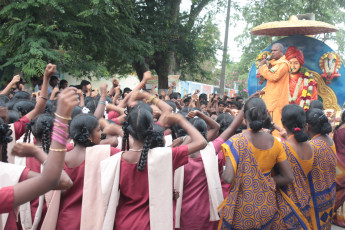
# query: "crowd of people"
{"type": "Point", "coordinates": [80, 158]}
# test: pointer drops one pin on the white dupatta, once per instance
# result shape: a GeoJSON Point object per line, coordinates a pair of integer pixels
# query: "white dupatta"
{"type": "Point", "coordinates": [10, 175]}
{"type": "Point", "coordinates": [210, 161]}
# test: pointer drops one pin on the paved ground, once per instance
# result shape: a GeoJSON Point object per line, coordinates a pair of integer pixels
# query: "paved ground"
{"type": "Point", "coordinates": [334, 227]}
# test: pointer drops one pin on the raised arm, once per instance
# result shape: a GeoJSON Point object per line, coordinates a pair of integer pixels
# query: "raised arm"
{"type": "Point", "coordinates": [42, 99]}
{"type": "Point", "coordinates": [213, 126]}
{"type": "Point", "coordinates": [101, 104]}
{"type": "Point", "coordinates": [49, 179]}
{"type": "Point", "coordinates": [197, 141]}
{"type": "Point", "coordinates": [8, 88]}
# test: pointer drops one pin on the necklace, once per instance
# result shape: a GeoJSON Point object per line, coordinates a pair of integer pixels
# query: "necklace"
{"type": "Point", "coordinates": [135, 150]}
{"type": "Point", "coordinates": [316, 136]}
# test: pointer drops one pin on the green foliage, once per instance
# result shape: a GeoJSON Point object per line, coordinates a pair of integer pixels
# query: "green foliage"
{"type": "Point", "coordinates": [261, 11]}
{"type": "Point", "coordinates": [82, 37]}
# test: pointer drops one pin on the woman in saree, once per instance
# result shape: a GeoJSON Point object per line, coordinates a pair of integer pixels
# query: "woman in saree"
{"type": "Point", "coordinates": [294, 198]}
{"type": "Point", "coordinates": [321, 178]}
{"type": "Point", "coordinates": [301, 84]}
{"type": "Point", "coordinates": [339, 141]}
{"type": "Point", "coordinates": [250, 158]}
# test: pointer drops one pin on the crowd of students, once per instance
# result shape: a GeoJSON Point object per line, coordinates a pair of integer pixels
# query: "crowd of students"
{"type": "Point", "coordinates": [77, 158]}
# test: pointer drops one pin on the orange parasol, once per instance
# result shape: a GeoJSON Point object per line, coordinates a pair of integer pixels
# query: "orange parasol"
{"type": "Point", "coordinates": [293, 27]}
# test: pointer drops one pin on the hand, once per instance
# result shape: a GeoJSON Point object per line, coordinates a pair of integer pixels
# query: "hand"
{"type": "Point", "coordinates": [192, 114]}
{"type": "Point", "coordinates": [34, 95]}
{"type": "Point", "coordinates": [68, 99]}
{"type": "Point", "coordinates": [25, 150]}
{"type": "Point", "coordinates": [147, 76]}
{"type": "Point", "coordinates": [176, 194]}
{"type": "Point", "coordinates": [263, 62]}
{"type": "Point", "coordinates": [80, 93]}
{"type": "Point", "coordinates": [177, 142]}
{"type": "Point", "coordinates": [173, 84]}
{"type": "Point", "coordinates": [168, 119]}
{"type": "Point", "coordinates": [197, 91]}
{"type": "Point", "coordinates": [210, 96]}
{"type": "Point", "coordinates": [15, 80]}
{"type": "Point", "coordinates": [50, 70]}
{"type": "Point", "coordinates": [103, 89]}
{"type": "Point", "coordinates": [257, 94]}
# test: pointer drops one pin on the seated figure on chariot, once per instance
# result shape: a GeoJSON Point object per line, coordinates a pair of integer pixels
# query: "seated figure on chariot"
{"type": "Point", "coordinates": [302, 85]}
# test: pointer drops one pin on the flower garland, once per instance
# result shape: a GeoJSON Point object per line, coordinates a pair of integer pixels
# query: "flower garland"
{"type": "Point", "coordinates": [308, 86]}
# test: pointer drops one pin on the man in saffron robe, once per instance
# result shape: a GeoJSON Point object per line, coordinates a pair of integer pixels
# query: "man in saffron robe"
{"type": "Point", "coordinates": [277, 73]}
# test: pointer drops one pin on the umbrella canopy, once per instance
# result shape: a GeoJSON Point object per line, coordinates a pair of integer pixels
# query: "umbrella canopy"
{"type": "Point", "coordinates": [293, 27]}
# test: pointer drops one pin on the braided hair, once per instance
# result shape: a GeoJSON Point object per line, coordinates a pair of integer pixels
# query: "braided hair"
{"type": "Point", "coordinates": [294, 120]}
{"type": "Point", "coordinates": [200, 125]}
{"type": "Point", "coordinates": [5, 138]}
{"type": "Point", "coordinates": [256, 113]}
{"type": "Point", "coordinates": [318, 121]}
{"type": "Point", "coordinates": [41, 128]}
{"type": "Point", "coordinates": [139, 124]}
{"type": "Point", "coordinates": [81, 128]}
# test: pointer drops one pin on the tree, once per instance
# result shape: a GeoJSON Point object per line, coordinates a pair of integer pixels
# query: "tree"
{"type": "Point", "coordinates": [77, 35]}
{"type": "Point", "coordinates": [178, 40]}
{"type": "Point", "coordinates": [257, 12]}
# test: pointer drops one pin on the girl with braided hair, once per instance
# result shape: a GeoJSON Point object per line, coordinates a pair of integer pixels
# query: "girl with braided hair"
{"type": "Point", "coordinates": [322, 177]}
{"type": "Point", "coordinates": [86, 134]}
{"type": "Point", "coordinates": [5, 138]}
{"type": "Point", "coordinates": [12, 193]}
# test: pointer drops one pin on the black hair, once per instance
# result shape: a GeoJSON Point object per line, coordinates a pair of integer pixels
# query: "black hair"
{"type": "Point", "coordinates": [62, 82]}
{"type": "Point", "coordinates": [126, 90]}
{"type": "Point", "coordinates": [40, 82]}
{"type": "Point", "coordinates": [4, 98]}
{"type": "Point", "coordinates": [12, 116]}
{"type": "Point", "coordinates": [24, 107]}
{"type": "Point", "coordinates": [41, 127]}
{"type": "Point", "coordinates": [139, 124]}
{"type": "Point", "coordinates": [187, 99]}
{"type": "Point", "coordinates": [2, 103]}
{"type": "Point", "coordinates": [239, 98]}
{"type": "Point", "coordinates": [222, 103]}
{"type": "Point", "coordinates": [256, 113]}
{"type": "Point", "coordinates": [22, 95]}
{"type": "Point", "coordinates": [81, 128]}
{"type": "Point", "coordinates": [318, 121]}
{"type": "Point", "coordinates": [84, 83]}
{"type": "Point", "coordinates": [158, 135]}
{"type": "Point", "coordinates": [294, 120]}
{"type": "Point", "coordinates": [316, 104]}
{"type": "Point", "coordinates": [76, 111]}
{"type": "Point", "coordinates": [174, 95]}
{"type": "Point", "coordinates": [342, 120]}
{"type": "Point", "coordinates": [172, 105]}
{"type": "Point", "coordinates": [203, 96]}
{"type": "Point", "coordinates": [142, 105]}
{"type": "Point", "coordinates": [200, 125]}
{"type": "Point", "coordinates": [5, 138]}
{"type": "Point", "coordinates": [203, 103]}
{"type": "Point", "coordinates": [236, 103]}
{"type": "Point", "coordinates": [224, 120]}
{"type": "Point", "coordinates": [91, 105]}
{"type": "Point", "coordinates": [50, 107]}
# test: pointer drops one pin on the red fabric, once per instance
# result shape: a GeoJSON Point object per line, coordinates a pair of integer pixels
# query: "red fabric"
{"type": "Point", "coordinates": [133, 209]}
{"type": "Point", "coordinates": [71, 200]}
{"type": "Point", "coordinates": [35, 166]}
{"type": "Point", "coordinates": [19, 126]}
{"type": "Point", "coordinates": [112, 114]}
{"type": "Point", "coordinates": [116, 120]}
{"type": "Point", "coordinates": [293, 52]}
{"type": "Point", "coordinates": [113, 151]}
{"type": "Point", "coordinates": [195, 211]}
{"type": "Point", "coordinates": [6, 199]}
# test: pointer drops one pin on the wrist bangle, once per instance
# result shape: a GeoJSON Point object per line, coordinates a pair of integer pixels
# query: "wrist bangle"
{"type": "Point", "coordinates": [58, 150]}
{"type": "Point", "coordinates": [102, 102]}
{"type": "Point", "coordinates": [64, 118]}
{"type": "Point", "coordinates": [151, 98]}
{"type": "Point", "coordinates": [43, 98]}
